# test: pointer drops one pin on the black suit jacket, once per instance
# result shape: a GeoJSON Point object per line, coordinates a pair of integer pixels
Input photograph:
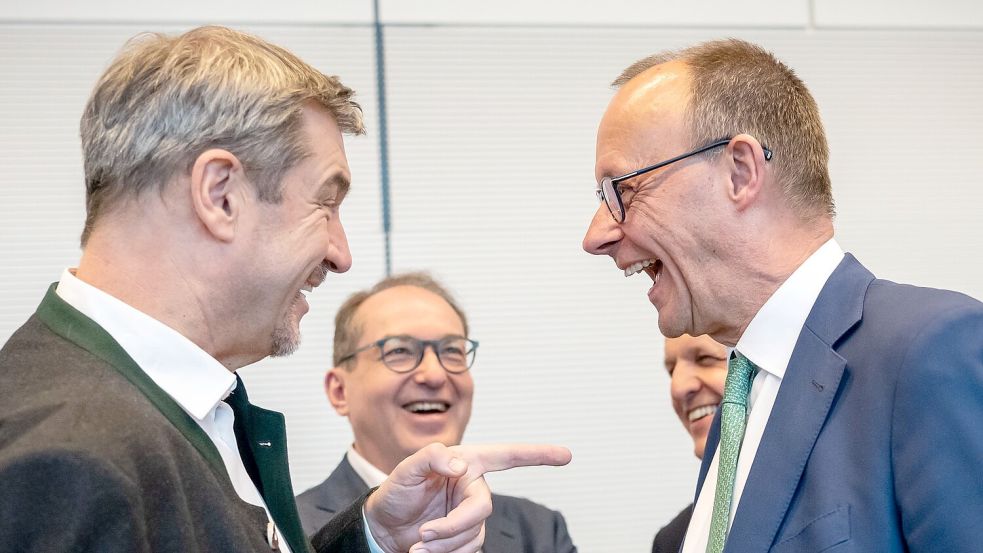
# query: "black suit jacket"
{"type": "Point", "coordinates": [516, 525]}
{"type": "Point", "coordinates": [670, 537]}
{"type": "Point", "coordinates": [95, 457]}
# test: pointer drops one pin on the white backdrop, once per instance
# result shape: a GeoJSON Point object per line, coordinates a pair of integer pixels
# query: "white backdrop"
{"type": "Point", "coordinates": [492, 116]}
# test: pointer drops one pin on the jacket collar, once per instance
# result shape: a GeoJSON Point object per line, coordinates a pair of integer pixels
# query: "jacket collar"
{"type": "Point", "coordinates": [264, 427]}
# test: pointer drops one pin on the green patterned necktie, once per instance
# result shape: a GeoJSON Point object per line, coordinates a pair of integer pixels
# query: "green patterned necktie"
{"type": "Point", "coordinates": [733, 419]}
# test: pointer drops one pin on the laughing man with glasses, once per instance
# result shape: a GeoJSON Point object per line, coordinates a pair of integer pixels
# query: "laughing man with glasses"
{"type": "Point", "coordinates": [402, 360]}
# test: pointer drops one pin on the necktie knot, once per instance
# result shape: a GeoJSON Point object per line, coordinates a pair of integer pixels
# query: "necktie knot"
{"type": "Point", "coordinates": [737, 386]}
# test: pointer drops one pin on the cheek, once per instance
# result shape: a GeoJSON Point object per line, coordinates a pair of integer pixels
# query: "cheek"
{"type": "Point", "coordinates": [378, 396]}
{"type": "Point", "coordinates": [715, 380]}
{"type": "Point", "coordinates": [465, 391]}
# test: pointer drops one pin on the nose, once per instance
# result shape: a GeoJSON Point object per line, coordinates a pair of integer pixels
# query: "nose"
{"type": "Point", "coordinates": [430, 372]}
{"type": "Point", "coordinates": [684, 383]}
{"type": "Point", "coordinates": [338, 256]}
{"type": "Point", "coordinates": [603, 234]}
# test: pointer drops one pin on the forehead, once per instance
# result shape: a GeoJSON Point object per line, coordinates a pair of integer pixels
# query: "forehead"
{"type": "Point", "coordinates": [646, 117]}
{"type": "Point", "coordinates": [407, 310]}
{"type": "Point", "coordinates": [687, 344]}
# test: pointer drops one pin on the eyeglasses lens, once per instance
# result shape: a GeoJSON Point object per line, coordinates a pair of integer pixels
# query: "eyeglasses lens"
{"type": "Point", "coordinates": [612, 199]}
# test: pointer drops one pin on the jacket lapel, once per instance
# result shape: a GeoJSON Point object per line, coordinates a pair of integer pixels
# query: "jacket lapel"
{"type": "Point", "coordinates": [806, 394]}
{"type": "Point", "coordinates": [267, 440]}
{"type": "Point", "coordinates": [69, 323]}
{"type": "Point", "coordinates": [709, 448]}
{"type": "Point", "coordinates": [341, 488]}
{"type": "Point", "coordinates": [501, 532]}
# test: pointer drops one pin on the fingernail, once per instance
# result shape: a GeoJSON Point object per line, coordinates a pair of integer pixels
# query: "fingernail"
{"type": "Point", "coordinates": [458, 465]}
{"type": "Point", "coordinates": [419, 550]}
{"type": "Point", "coordinates": [429, 535]}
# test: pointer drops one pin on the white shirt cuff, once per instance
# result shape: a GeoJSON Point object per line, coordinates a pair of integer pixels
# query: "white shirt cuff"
{"type": "Point", "coordinates": [369, 538]}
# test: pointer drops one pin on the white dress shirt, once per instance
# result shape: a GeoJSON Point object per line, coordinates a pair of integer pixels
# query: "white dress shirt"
{"type": "Point", "coordinates": [767, 342]}
{"type": "Point", "coordinates": [365, 470]}
{"type": "Point", "coordinates": [195, 380]}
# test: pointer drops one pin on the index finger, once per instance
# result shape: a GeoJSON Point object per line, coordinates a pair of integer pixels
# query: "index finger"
{"type": "Point", "coordinates": [495, 457]}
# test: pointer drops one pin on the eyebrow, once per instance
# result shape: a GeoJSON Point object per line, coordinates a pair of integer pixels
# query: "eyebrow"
{"type": "Point", "coordinates": [339, 182]}
{"type": "Point", "coordinates": [444, 337]}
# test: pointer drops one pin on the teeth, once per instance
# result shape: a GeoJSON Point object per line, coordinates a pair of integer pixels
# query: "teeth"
{"type": "Point", "coordinates": [700, 412]}
{"type": "Point", "coordinates": [307, 288]}
{"type": "Point", "coordinates": [637, 267]}
{"type": "Point", "coordinates": [424, 406]}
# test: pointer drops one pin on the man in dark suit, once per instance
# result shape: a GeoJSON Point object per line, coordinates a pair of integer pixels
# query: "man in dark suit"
{"type": "Point", "coordinates": [402, 360]}
{"type": "Point", "coordinates": [214, 170]}
{"type": "Point", "coordinates": [697, 367]}
{"type": "Point", "coordinates": [851, 405]}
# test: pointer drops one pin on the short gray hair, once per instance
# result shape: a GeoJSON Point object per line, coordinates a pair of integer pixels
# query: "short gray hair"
{"type": "Point", "coordinates": [166, 99]}
{"type": "Point", "coordinates": [739, 87]}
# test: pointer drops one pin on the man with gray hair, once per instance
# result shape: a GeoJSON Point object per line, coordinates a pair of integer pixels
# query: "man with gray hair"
{"type": "Point", "coordinates": [851, 407]}
{"type": "Point", "coordinates": [214, 170]}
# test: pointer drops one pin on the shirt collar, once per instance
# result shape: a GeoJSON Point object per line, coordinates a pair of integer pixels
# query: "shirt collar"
{"type": "Point", "coordinates": [770, 338]}
{"type": "Point", "coordinates": [365, 470]}
{"type": "Point", "coordinates": [194, 379]}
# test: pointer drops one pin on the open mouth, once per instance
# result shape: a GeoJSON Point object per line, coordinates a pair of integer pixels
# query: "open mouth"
{"type": "Point", "coordinates": [702, 411]}
{"type": "Point", "coordinates": [315, 279]}
{"type": "Point", "coordinates": [427, 407]}
{"type": "Point", "coordinates": [651, 267]}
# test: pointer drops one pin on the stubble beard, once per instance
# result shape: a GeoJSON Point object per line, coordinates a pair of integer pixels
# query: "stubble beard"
{"type": "Point", "coordinates": [286, 335]}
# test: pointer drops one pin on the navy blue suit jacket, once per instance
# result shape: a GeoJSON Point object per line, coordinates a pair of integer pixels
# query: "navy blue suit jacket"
{"type": "Point", "coordinates": [875, 442]}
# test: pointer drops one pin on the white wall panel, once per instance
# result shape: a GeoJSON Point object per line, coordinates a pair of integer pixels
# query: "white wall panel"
{"type": "Point", "coordinates": [752, 13]}
{"type": "Point", "coordinates": [241, 11]}
{"type": "Point", "coordinates": [912, 14]}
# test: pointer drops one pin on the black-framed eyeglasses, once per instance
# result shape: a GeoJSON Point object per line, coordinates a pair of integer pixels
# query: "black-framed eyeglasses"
{"type": "Point", "coordinates": [403, 354]}
{"type": "Point", "coordinates": [609, 192]}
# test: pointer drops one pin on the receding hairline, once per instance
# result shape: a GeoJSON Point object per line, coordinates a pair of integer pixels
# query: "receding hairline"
{"type": "Point", "coordinates": [358, 324]}
{"type": "Point", "coordinates": [646, 64]}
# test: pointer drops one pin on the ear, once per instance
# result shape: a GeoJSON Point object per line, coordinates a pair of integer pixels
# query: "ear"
{"type": "Point", "coordinates": [746, 163]}
{"type": "Point", "coordinates": [218, 185]}
{"type": "Point", "coordinates": [334, 387]}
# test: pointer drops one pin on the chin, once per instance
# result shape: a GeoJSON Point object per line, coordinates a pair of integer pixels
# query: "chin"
{"type": "Point", "coordinates": [698, 449]}
{"type": "Point", "coordinates": [668, 327]}
{"type": "Point", "coordinates": [285, 340]}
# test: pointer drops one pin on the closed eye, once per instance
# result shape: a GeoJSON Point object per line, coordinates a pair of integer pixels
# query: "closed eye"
{"type": "Point", "coordinates": [709, 360]}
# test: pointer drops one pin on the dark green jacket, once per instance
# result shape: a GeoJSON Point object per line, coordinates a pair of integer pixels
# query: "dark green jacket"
{"type": "Point", "coordinates": [96, 457]}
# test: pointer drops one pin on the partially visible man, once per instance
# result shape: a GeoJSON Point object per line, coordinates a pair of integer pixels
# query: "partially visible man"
{"type": "Point", "coordinates": [851, 410]}
{"type": "Point", "coordinates": [402, 360]}
{"type": "Point", "coordinates": [215, 170]}
{"type": "Point", "coordinates": [697, 367]}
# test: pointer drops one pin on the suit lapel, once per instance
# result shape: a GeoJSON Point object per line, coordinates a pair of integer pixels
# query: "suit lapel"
{"type": "Point", "coordinates": [341, 488]}
{"type": "Point", "coordinates": [709, 448]}
{"type": "Point", "coordinates": [804, 399]}
{"type": "Point", "coordinates": [266, 435]}
{"type": "Point", "coordinates": [69, 323]}
{"type": "Point", "coordinates": [501, 532]}
{"type": "Point", "coordinates": [800, 410]}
